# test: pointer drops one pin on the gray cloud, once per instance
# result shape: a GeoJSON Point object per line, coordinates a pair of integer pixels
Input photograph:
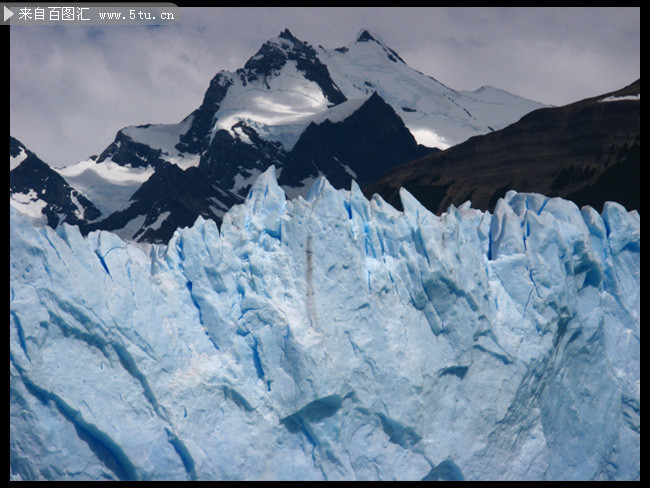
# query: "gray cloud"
{"type": "Point", "coordinates": [72, 88]}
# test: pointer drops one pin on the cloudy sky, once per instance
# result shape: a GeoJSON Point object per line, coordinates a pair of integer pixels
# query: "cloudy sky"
{"type": "Point", "coordinates": [73, 88]}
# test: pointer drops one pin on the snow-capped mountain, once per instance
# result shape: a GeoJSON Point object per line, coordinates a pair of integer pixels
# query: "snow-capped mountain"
{"type": "Point", "coordinates": [272, 112]}
{"type": "Point", "coordinates": [332, 338]}
{"type": "Point", "coordinates": [288, 84]}
{"type": "Point", "coordinates": [358, 144]}
{"type": "Point", "coordinates": [40, 192]}
{"type": "Point", "coordinates": [436, 115]}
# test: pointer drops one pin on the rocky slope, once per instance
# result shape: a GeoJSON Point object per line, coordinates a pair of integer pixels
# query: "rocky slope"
{"type": "Point", "coordinates": [586, 151]}
{"type": "Point", "coordinates": [36, 189]}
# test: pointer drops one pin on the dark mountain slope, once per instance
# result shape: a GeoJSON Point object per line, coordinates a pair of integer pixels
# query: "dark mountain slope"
{"type": "Point", "coordinates": [586, 151]}
{"type": "Point", "coordinates": [34, 179]}
{"type": "Point", "coordinates": [363, 146]}
{"type": "Point", "coordinates": [171, 198]}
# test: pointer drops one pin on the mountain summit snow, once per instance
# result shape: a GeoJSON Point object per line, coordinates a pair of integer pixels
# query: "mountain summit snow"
{"type": "Point", "coordinates": [347, 113]}
{"type": "Point", "coordinates": [288, 82]}
{"type": "Point", "coordinates": [331, 338]}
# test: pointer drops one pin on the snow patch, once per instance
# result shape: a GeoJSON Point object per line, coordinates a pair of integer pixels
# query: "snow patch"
{"type": "Point", "coordinates": [107, 170]}
{"type": "Point", "coordinates": [79, 210]}
{"type": "Point", "coordinates": [621, 98]}
{"type": "Point", "coordinates": [428, 138]}
{"type": "Point", "coordinates": [107, 184]}
{"type": "Point", "coordinates": [29, 204]}
{"type": "Point", "coordinates": [133, 226]}
{"type": "Point", "coordinates": [14, 162]}
{"type": "Point", "coordinates": [161, 218]}
{"type": "Point", "coordinates": [160, 136]}
{"type": "Point", "coordinates": [288, 99]}
{"type": "Point", "coordinates": [339, 112]}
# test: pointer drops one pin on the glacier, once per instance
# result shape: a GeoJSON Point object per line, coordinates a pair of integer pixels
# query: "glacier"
{"type": "Point", "coordinates": [331, 337]}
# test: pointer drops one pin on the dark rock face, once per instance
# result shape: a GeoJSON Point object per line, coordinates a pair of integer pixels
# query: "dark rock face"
{"type": "Point", "coordinates": [365, 37]}
{"type": "Point", "coordinates": [368, 143]}
{"type": "Point", "coordinates": [184, 194]}
{"type": "Point", "coordinates": [392, 55]}
{"type": "Point", "coordinates": [16, 147]}
{"type": "Point", "coordinates": [127, 152]}
{"type": "Point", "coordinates": [196, 138]}
{"type": "Point", "coordinates": [226, 156]}
{"type": "Point", "coordinates": [587, 151]}
{"type": "Point", "coordinates": [619, 182]}
{"type": "Point", "coordinates": [272, 56]}
{"type": "Point", "coordinates": [33, 175]}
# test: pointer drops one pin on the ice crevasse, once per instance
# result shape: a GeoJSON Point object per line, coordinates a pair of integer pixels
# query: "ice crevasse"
{"type": "Point", "coordinates": [331, 337]}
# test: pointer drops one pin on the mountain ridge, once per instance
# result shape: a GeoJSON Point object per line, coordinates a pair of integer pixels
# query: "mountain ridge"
{"type": "Point", "coordinates": [35, 188]}
{"type": "Point", "coordinates": [586, 151]}
{"type": "Point", "coordinates": [262, 114]}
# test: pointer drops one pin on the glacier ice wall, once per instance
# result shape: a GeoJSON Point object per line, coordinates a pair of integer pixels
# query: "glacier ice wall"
{"type": "Point", "coordinates": [331, 338]}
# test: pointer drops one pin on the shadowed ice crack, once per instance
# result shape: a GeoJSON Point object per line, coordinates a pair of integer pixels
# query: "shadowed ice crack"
{"type": "Point", "coordinates": [108, 452]}
{"type": "Point", "coordinates": [445, 471]}
{"type": "Point", "coordinates": [398, 433]}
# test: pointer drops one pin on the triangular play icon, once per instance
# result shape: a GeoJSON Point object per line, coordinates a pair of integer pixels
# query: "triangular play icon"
{"type": "Point", "coordinates": [7, 14]}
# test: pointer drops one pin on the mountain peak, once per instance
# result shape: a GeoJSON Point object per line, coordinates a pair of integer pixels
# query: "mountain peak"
{"type": "Point", "coordinates": [16, 147]}
{"type": "Point", "coordinates": [365, 36]}
{"type": "Point", "coordinates": [286, 34]}
{"type": "Point", "coordinates": [275, 53]}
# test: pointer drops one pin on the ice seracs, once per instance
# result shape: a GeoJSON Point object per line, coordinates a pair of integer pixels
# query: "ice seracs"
{"type": "Point", "coordinates": [331, 337]}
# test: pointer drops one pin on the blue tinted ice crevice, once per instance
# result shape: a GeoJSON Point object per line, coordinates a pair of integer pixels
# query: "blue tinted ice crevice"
{"type": "Point", "coordinates": [21, 334]}
{"type": "Point", "coordinates": [108, 452]}
{"type": "Point", "coordinates": [103, 262]}
{"type": "Point", "coordinates": [129, 364]}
